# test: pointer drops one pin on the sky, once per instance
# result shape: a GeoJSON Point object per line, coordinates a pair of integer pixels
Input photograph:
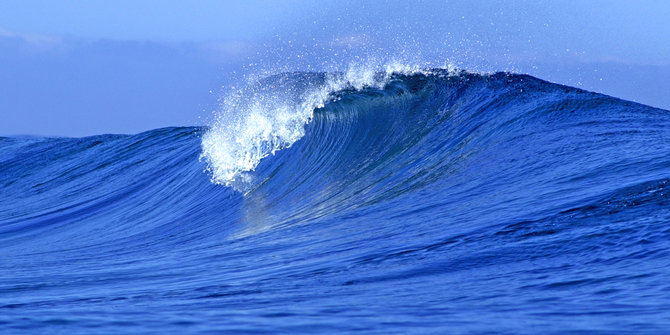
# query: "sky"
{"type": "Point", "coordinates": [79, 68]}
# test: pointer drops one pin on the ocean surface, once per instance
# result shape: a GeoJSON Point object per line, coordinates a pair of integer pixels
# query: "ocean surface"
{"type": "Point", "coordinates": [390, 202]}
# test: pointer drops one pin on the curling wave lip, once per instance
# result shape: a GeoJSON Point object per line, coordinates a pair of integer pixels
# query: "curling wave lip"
{"type": "Point", "coordinates": [432, 201]}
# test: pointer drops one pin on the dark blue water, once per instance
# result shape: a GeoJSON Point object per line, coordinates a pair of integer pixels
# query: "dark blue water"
{"type": "Point", "coordinates": [436, 202]}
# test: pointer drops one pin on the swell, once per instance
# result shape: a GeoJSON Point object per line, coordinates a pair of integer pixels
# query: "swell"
{"type": "Point", "coordinates": [477, 140]}
{"type": "Point", "coordinates": [424, 196]}
{"type": "Point", "coordinates": [102, 191]}
{"type": "Point", "coordinates": [387, 145]}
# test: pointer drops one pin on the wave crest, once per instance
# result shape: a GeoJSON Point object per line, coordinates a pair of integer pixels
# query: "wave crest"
{"type": "Point", "coordinates": [270, 114]}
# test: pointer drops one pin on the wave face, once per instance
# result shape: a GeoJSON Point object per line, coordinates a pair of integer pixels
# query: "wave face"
{"type": "Point", "coordinates": [426, 201]}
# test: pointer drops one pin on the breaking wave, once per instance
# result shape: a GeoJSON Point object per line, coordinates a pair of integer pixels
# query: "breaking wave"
{"type": "Point", "coordinates": [403, 200]}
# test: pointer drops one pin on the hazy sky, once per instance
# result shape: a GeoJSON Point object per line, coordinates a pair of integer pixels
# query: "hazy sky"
{"type": "Point", "coordinates": [77, 68]}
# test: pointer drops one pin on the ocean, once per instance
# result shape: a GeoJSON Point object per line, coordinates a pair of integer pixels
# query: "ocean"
{"type": "Point", "coordinates": [377, 202]}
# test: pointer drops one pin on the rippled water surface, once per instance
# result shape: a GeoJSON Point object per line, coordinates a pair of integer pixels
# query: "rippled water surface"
{"type": "Point", "coordinates": [432, 202]}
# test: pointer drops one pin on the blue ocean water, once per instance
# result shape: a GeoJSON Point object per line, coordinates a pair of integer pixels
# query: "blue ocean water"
{"type": "Point", "coordinates": [430, 201]}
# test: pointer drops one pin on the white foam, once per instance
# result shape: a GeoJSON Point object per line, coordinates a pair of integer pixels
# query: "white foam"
{"type": "Point", "coordinates": [255, 122]}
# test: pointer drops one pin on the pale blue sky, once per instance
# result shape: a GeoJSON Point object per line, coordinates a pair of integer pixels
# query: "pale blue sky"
{"type": "Point", "coordinates": [78, 68]}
